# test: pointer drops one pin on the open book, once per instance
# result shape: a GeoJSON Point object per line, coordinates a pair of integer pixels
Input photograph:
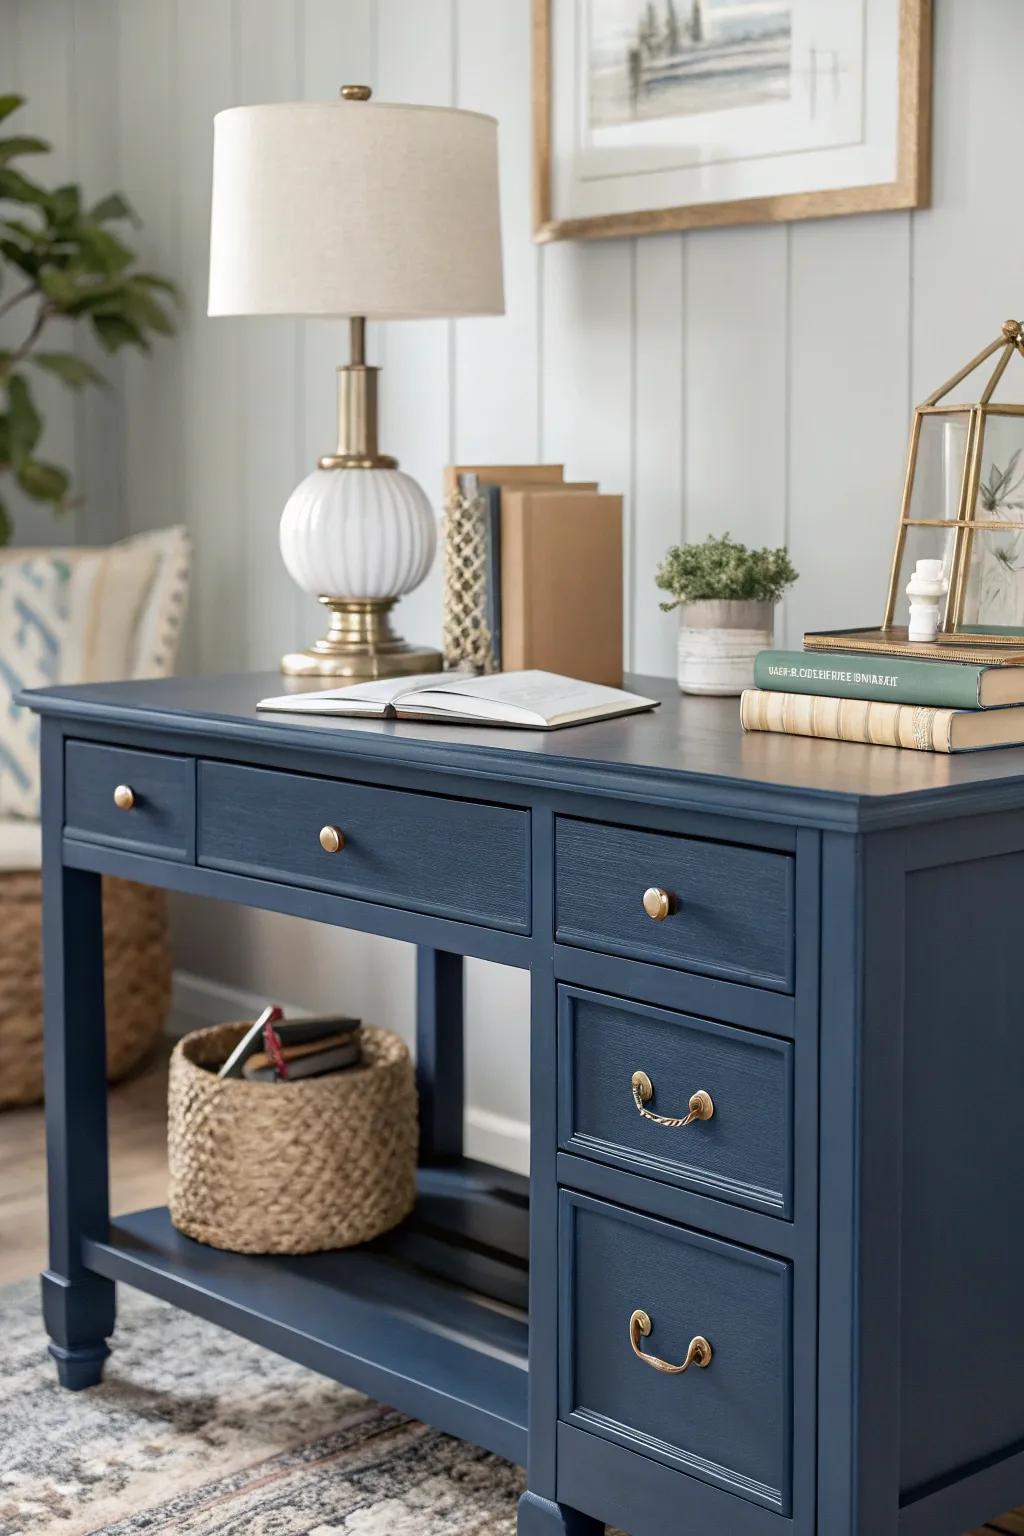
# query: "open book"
{"type": "Point", "coordinates": [541, 701]}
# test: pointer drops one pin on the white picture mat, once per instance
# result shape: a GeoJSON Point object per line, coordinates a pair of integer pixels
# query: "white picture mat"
{"type": "Point", "coordinates": [828, 135]}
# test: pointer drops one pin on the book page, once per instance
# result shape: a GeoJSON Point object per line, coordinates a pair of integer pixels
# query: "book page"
{"type": "Point", "coordinates": [546, 695]}
{"type": "Point", "coordinates": [373, 697]}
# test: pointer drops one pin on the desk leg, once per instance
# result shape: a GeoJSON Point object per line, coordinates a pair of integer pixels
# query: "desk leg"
{"type": "Point", "coordinates": [78, 1306]}
{"type": "Point", "coordinates": [540, 1517]}
{"type": "Point", "coordinates": [439, 1053]}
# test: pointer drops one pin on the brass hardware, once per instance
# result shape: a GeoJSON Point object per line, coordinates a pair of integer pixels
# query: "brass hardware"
{"type": "Point", "coordinates": [357, 410]}
{"type": "Point", "coordinates": [658, 903]}
{"type": "Point", "coordinates": [702, 1106]}
{"type": "Point", "coordinates": [699, 1353]}
{"type": "Point", "coordinates": [355, 93]}
{"type": "Point", "coordinates": [124, 797]}
{"type": "Point", "coordinates": [962, 527]}
{"type": "Point", "coordinates": [332, 839]}
{"type": "Point", "coordinates": [360, 644]}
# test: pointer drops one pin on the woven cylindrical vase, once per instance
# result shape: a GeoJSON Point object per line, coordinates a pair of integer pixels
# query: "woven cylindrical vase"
{"type": "Point", "coordinates": [326, 1162]}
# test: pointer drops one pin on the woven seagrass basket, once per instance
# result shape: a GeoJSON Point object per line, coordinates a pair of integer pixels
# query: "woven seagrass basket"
{"type": "Point", "coordinates": [137, 981]}
{"type": "Point", "coordinates": [326, 1162]}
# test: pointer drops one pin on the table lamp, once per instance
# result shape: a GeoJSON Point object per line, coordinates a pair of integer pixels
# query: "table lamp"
{"type": "Point", "coordinates": [365, 210]}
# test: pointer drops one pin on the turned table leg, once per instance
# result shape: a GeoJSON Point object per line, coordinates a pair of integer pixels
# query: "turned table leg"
{"type": "Point", "coordinates": [78, 1306]}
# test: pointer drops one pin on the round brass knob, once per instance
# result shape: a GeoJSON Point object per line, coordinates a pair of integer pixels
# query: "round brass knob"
{"type": "Point", "coordinates": [332, 839]}
{"type": "Point", "coordinates": [124, 797]}
{"type": "Point", "coordinates": [657, 903]}
{"type": "Point", "coordinates": [355, 93]}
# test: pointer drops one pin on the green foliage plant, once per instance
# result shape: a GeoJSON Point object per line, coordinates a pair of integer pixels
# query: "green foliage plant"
{"type": "Point", "coordinates": [61, 261]}
{"type": "Point", "coordinates": [719, 569]}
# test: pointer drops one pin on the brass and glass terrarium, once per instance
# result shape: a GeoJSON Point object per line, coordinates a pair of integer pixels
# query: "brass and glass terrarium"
{"type": "Point", "coordinates": [963, 512]}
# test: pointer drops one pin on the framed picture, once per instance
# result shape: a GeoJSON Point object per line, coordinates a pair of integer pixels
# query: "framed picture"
{"type": "Point", "coordinates": [652, 115]}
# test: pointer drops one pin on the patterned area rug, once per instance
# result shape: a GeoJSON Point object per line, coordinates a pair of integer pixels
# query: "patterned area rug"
{"type": "Point", "coordinates": [197, 1433]}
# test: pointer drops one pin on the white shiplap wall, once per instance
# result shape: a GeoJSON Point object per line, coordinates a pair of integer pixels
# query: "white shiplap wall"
{"type": "Point", "coordinates": [757, 380]}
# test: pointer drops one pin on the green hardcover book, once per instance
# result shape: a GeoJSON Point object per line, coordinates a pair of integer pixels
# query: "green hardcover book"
{"type": "Point", "coordinates": [897, 679]}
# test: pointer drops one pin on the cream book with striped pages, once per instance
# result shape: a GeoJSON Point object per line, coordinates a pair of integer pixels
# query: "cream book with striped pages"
{"type": "Point", "coordinates": [873, 723]}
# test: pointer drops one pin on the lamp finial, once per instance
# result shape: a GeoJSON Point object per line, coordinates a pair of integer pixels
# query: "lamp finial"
{"type": "Point", "coordinates": [355, 93]}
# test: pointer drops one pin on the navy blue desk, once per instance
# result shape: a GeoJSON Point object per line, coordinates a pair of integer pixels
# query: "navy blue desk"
{"type": "Point", "coordinates": [832, 961]}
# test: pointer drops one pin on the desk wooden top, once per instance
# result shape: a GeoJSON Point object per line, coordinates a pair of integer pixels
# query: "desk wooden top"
{"type": "Point", "coordinates": [688, 751]}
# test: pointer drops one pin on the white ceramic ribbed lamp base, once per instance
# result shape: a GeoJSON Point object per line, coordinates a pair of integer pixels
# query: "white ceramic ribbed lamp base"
{"type": "Point", "coordinates": [358, 539]}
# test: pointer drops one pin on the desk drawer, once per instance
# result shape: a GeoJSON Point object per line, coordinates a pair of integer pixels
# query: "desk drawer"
{"type": "Point", "coordinates": [742, 1153]}
{"type": "Point", "coordinates": [155, 809]}
{"type": "Point", "coordinates": [730, 1423]}
{"type": "Point", "coordinates": [424, 853]}
{"type": "Point", "coordinates": [728, 909]}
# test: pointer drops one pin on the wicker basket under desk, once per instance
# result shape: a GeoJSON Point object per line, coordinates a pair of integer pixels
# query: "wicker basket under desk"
{"type": "Point", "coordinates": [137, 980]}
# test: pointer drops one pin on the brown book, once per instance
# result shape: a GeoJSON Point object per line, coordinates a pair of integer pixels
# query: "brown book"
{"type": "Point", "coordinates": [561, 583]}
{"type": "Point", "coordinates": [916, 726]}
{"type": "Point", "coordinates": [976, 649]}
{"type": "Point", "coordinates": [261, 1060]}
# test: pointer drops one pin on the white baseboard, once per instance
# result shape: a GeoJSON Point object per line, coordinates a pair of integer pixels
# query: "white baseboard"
{"type": "Point", "coordinates": [198, 1000]}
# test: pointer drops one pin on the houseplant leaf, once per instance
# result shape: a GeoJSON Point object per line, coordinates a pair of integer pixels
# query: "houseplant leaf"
{"type": "Point", "coordinates": [10, 101]}
{"type": "Point", "coordinates": [21, 144]}
{"type": "Point", "coordinates": [24, 423]}
{"type": "Point", "coordinates": [43, 482]}
{"type": "Point", "coordinates": [115, 331]}
{"type": "Point", "coordinates": [114, 206]}
{"type": "Point", "coordinates": [69, 368]}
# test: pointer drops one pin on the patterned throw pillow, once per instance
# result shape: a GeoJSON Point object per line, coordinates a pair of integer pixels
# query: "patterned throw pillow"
{"type": "Point", "coordinates": [82, 615]}
{"type": "Point", "coordinates": [35, 610]}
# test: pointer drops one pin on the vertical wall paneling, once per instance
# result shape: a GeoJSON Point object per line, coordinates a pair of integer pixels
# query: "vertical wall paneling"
{"type": "Point", "coordinates": [735, 360]}
{"type": "Point", "coordinates": [587, 362]}
{"type": "Point", "coordinates": [496, 360]}
{"type": "Point", "coordinates": [94, 103]}
{"type": "Point", "coordinates": [658, 489]}
{"type": "Point", "coordinates": [268, 70]}
{"type": "Point", "coordinates": [966, 251]}
{"type": "Point", "coordinates": [848, 422]}
{"type": "Point", "coordinates": [212, 502]}
{"type": "Point", "coordinates": [415, 62]}
{"type": "Point", "coordinates": [150, 176]}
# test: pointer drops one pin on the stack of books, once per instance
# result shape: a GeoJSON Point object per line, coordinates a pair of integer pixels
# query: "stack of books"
{"type": "Point", "coordinates": [553, 579]}
{"type": "Point", "coordinates": [874, 686]}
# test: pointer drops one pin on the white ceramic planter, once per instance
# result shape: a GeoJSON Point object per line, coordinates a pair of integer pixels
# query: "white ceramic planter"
{"type": "Point", "coordinates": [718, 642]}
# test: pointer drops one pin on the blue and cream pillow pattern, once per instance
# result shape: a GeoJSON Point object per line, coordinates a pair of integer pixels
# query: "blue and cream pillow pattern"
{"type": "Point", "coordinates": [35, 610]}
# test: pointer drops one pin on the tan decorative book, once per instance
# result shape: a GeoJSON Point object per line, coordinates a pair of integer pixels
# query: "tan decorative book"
{"type": "Point", "coordinates": [561, 582]}
{"type": "Point", "coordinates": [916, 726]}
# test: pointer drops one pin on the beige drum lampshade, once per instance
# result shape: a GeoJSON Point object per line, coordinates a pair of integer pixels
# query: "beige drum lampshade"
{"type": "Point", "coordinates": [355, 208]}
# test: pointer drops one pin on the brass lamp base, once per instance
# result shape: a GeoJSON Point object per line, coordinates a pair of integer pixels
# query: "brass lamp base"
{"type": "Point", "coordinates": [361, 645]}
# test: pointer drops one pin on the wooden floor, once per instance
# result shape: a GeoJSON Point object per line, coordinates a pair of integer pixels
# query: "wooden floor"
{"type": "Point", "coordinates": [138, 1163]}
{"type": "Point", "coordinates": [138, 1166]}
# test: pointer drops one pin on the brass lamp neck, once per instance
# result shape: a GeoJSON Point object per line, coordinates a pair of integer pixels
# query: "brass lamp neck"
{"type": "Point", "coordinates": [357, 410]}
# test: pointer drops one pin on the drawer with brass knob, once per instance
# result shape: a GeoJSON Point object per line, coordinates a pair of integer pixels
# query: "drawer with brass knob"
{"type": "Point", "coordinates": [143, 802]}
{"type": "Point", "coordinates": [678, 1346]}
{"type": "Point", "coordinates": [684, 1100]}
{"type": "Point", "coordinates": [425, 853]}
{"type": "Point", "coordinates": [718, 908]}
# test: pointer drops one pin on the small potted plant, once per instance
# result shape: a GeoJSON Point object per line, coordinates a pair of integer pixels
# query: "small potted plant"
{"type": "Point", "coordinates": [726, 596]}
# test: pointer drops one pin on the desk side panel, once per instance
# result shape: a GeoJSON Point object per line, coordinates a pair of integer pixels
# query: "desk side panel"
{"type": "Point", "coordinates": [962, 1257]}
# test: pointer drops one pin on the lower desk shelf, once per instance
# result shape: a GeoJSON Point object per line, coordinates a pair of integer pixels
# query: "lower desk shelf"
{"type": "Point", "coordinates": [424, 1319]}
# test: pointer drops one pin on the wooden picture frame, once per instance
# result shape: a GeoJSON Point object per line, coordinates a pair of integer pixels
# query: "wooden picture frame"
{"type": "Point", "coordinates": [910, 188]}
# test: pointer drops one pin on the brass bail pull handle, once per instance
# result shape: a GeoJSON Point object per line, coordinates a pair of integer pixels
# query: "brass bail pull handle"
{"type": "Point", "coordinates": [701, 1106]}
{"type": "Point", "coordinates": [699, 1353]}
